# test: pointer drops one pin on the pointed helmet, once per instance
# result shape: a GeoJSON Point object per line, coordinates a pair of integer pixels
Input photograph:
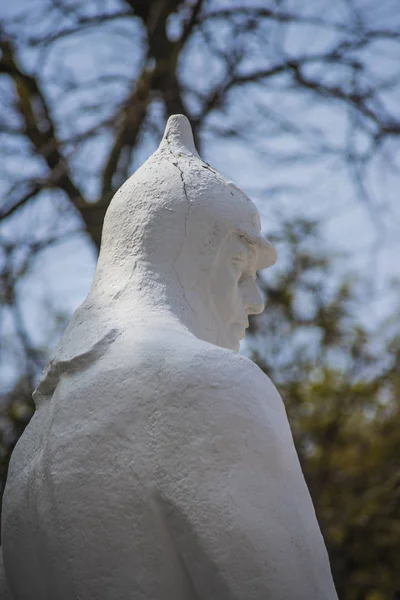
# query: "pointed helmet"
{"type": "Point", "coordinates": [175, 203]}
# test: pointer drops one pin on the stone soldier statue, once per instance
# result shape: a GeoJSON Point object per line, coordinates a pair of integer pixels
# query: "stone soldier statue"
{"type": "Point", "coordinates": [159, 463]}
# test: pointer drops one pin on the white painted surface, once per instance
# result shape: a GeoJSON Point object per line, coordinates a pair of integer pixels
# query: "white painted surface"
{"type": "Point", "coordinates": [159, 463]}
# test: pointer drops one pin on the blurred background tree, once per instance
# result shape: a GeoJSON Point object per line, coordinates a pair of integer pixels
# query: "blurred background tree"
{"type": "Point", "coordinates": [341, 386]}
{"type": "Point", "coordinates": [299, 102]}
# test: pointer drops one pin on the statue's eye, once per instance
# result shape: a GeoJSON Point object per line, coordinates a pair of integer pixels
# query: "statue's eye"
{"type": "Point", "coordinates": [240, 261]}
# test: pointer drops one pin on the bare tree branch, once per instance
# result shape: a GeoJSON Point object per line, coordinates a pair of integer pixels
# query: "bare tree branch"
{"type": "Point", "coordinates": [357, 100]}
{"type": "Point", "coordinates": [273, 15]}
{"type": "Point", "coordinates": [21, 202]}
{"type": "Point", "coordinates": [131, 119]}
{"type": "Point", "coordinates": [191, 23]}
{"type": "Point", "coordinates": [41, 132]}
{"type": "Point", "coordinates": [82, 24]}
{"type": "Point", "coordinates": [161, 79]}
{"type": "Point", "coordinates": [38, 122]}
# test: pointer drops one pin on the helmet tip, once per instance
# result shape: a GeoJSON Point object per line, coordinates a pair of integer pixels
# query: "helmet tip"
{"type": "Point", "coordinates": [178, 132]}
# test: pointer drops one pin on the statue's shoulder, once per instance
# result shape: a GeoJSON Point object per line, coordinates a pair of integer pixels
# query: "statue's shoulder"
{"type": "Point", "coordinates": [186, 360]}
{"type": "Point", "coordinates": [224, 365]}
{"type": "Point", "coordinates": [205, 371]}
{"type": "Point", "coordinates": [169, 364]}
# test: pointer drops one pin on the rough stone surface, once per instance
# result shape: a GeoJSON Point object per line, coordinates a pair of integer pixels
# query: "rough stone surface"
{"type": "Point", "coordinates": [159, 464]}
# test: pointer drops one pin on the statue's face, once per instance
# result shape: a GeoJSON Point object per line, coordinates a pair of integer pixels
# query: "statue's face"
{"type": "Point", "coordinates": [234, 291]}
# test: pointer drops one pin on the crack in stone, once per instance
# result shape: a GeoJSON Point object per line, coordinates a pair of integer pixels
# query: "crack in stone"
{"type": "Point", "coordinates": [174, 161]}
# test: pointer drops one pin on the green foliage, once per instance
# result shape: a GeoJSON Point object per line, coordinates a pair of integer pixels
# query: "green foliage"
{"type": "Point", "coordinates": [341, 387]}
{"type": "Point", "coordinates": [16, 410]}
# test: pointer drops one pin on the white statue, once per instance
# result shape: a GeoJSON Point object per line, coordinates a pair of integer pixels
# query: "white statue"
{"type": "Point", "coordinates": [159, 464]}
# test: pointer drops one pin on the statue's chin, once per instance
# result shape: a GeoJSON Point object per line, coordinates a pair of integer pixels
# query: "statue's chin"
{"type": "Point", "coordinates": [233, 344]}
{"type": "Point", "coordinates": [230, 344]}
{"type": "Point", "coordinates": [238, 331]}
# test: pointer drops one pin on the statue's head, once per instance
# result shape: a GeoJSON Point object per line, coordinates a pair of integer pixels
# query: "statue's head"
{"type": "Point", "coordinates": [179, 237]}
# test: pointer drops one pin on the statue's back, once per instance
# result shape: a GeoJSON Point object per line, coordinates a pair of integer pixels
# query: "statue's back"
{"type": "Point", "coordinates": [83, 475]}
{"type": "Point", "coordinates": [145, 476]}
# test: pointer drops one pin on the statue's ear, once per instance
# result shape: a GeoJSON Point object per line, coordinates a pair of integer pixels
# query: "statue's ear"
{"type": "Point", "coordinates": [178, 136]}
